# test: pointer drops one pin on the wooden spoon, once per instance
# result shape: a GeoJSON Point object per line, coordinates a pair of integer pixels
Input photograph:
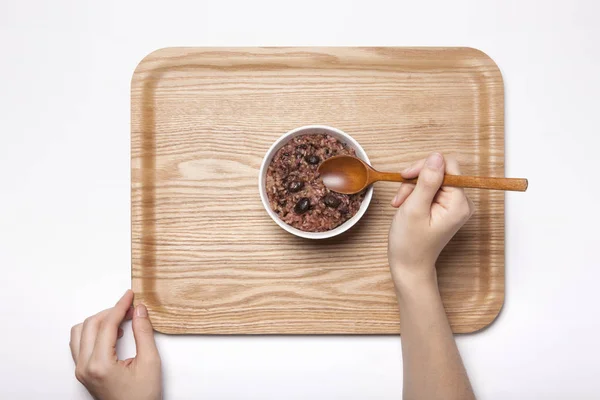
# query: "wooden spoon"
{"type": "Point", "coordinates": [348, 175]}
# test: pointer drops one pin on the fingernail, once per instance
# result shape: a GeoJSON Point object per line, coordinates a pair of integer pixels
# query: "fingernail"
{"type": "Point", "coordinates": [434, 161]}
{"type": "Point", "coordinates": [141, 311]}
{"type": "Point", "coordinates": [395, 199]}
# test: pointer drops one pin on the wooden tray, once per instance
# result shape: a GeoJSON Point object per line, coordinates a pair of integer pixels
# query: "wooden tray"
{"type": "Point", "coordinates": [206, 257]}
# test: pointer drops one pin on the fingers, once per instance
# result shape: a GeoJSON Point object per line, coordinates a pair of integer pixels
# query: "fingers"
{"type": "Point", "coordinates": [414, 170]}
{"type": "Point", "coordinates": [405, 190]}
{"type": "Point", "coordinates": [89, 332]}
{"type": "Point", "coordinates": [75, 341]}
{"type": "Point", "coordinates": [108, 330]}
{"type": "Point", "coordinates": [418, 199]}
{"type": "Point", "coordinates": [129, 315]}
{"type": "Point", "coordinates": [144, 336]}
{"type": "Point", "coordinates": [471, 207]}
{"type": "Point", "coordinates": [452, 166]}
{"type": "Point", "coordinates": [428, 184]}
{"type": "Point", "coordinates": [83, 340]}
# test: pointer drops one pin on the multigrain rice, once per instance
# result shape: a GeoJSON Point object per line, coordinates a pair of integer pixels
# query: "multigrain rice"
{"type": "Point", "coordinates": [296, 192]}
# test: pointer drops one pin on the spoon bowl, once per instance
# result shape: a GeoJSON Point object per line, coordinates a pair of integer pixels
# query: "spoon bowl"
{"type": "Point", "coordinates": [348, 175]}
{"type": "Point", "coordinates": [345, 174]}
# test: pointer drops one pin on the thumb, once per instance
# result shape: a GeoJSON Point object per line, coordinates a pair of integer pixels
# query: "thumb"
{"type": "Point", "coordinates": [429, 182]}
{"type": "Point", "coordinates": [143, 334]}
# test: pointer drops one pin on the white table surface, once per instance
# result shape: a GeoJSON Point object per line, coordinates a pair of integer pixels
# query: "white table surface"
{"type": "Point", "coordinates": [65, 70]}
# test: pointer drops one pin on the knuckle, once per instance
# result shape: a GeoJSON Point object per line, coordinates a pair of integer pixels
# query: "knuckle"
{"type": "Point", "coordinates": [407, 210]}
{"type": "Point", "coordinates": [452, 165]}
{"type": "Point", "coordinates": [398, 217]}
{"type": "Point", "coordinates": [154, 358]}
{"type": "Point", "coordinates": [101, 324]}
{"type": "Point", "coordinates": [464, 209]}
{"type": "Point", "coordinates": [410, 211]}
{"type": "Point", "coordinates": [96, 370]}
{"type": "Point", "coordinates": [91, 322]}
{"type": "Point", "coordinates": [79, 374]}
{"type": "Point", "coordinates": [74, 330]}
{"type": "Point", "coordinates": [471, 208]}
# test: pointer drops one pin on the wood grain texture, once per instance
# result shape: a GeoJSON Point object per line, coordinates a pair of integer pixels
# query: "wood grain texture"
{"type": "Point", "coordinates": [206, 257]}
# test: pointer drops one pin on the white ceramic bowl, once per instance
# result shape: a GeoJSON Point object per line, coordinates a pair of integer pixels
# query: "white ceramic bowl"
{"type": "Point", "coordinates": [303, 130]}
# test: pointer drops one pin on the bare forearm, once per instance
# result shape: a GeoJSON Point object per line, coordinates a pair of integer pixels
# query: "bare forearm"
{"type": "Point", "coordinates": [433, 368]}
{"type": "Point", "coordinates": [428, 216]}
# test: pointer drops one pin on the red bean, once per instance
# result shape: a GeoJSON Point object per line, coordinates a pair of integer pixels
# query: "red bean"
{"type": "Point", "coordinates": [331, 201]}
{"type": "Point", "coordinates": [302, 206]}
{"type": "Point", "coordinates": [312, 159]}
{"type": "Point", "coordinates": [295, 186]}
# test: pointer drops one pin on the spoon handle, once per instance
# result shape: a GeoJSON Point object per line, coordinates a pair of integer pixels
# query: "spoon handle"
{"type": "Point", "coordinates": [478, 182]}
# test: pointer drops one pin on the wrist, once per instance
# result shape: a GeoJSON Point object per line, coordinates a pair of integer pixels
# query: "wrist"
{"type": "Point", "coordinates": [418, 293]}
{"type": "Point", "coordinates": [414, 278]}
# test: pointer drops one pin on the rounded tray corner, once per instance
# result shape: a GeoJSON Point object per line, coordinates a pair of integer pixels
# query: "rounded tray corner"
{"type": "Point", "coordinates": [488, 319]}
{"type": "Point", "coordinates": [486, 60]}
{"type": "Point", "coordinates": [148, 58]}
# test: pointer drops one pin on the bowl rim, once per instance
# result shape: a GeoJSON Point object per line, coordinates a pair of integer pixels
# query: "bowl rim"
{"type": "Point", "coordinates": [360, 153]}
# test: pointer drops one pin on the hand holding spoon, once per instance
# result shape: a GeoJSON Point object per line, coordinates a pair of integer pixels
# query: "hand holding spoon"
{"type": "Point", "coordinates": [348, 175]}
